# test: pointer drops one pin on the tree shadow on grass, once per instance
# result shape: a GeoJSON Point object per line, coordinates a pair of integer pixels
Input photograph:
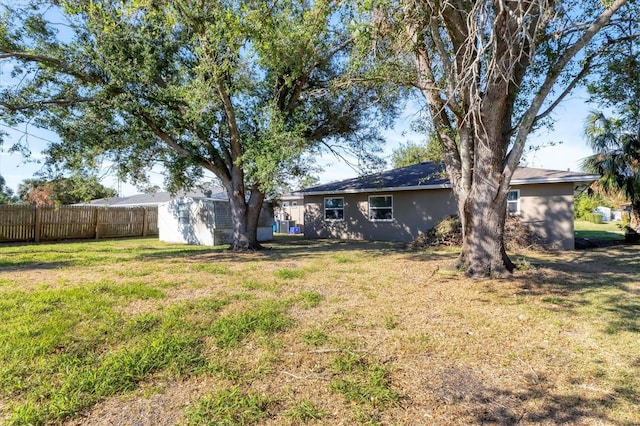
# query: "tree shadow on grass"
{"type": "Point", "coordinates": [25, 265]}
{"type": "Point", "coordinates": [285, 248]}
{"type": "Point", "coordinates": [498, 406]}
{"type": "Point", "coordinates": [536, 403]}
{"type": "Point", "coordinates": [603, 287]}
{"type": "Point", "coordinates": [290, 248]}
{"type": "Point", "coordinates": [606, 279]}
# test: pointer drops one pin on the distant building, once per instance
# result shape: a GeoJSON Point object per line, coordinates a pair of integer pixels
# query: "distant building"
{"type": "Point", "coordinates": [192, 217]}
{"type": "Point", "coordinates": [290, 209]}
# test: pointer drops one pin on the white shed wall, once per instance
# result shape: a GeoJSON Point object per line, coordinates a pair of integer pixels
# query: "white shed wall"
{"type": "Point", "coordinates": [186, 220]}
{"type": "Point", "coordinates": [204, 222]}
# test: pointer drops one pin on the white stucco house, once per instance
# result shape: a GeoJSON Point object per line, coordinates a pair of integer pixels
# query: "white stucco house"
{"type": "Point", "coordinates": [205, 219]}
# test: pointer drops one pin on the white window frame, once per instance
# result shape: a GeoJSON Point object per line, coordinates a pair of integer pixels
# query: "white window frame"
{"type": "Point", "coordinates": [333, 208]}
{"type": "Point", "coordinates": [184, 213]}
{"type": "Point", "coordinates": [371, 219]}
{"type": "Point", "coordinates": [285, 204]}
{"type": "Point", "coordinates": [516, 202]}
{"type": "Point", "coordinates": [294, 204]}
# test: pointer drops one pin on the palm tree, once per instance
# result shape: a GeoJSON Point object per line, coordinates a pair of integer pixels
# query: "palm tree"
{"type": "Point", "coordinates": [616, 146]}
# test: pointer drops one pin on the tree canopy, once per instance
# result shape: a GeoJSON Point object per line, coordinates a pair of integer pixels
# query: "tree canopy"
{"type": "Point", "coordinates": [412, 153]}
{"type": "Point", "coordinates": [616, 145]}
{"type": "Point", "coordinates": [241, 89]}
{"type": "Point", "coordinates": [6, 193]}
{"type": "Point", "coordinates": [63, 190]}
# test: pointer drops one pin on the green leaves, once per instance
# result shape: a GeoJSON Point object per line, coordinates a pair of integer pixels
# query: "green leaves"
{"type": "Point", "coordinates": [242, 89]}
{"type": "Point", "coordinates": [616, 158]}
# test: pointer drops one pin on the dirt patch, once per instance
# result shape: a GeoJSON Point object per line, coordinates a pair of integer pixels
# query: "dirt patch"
{"type": "Point", "coordinates": [157, 404]}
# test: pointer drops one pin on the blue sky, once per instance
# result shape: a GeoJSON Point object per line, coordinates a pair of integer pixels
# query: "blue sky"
{"type": "Point", "coordinates": [567, 134]}
{"type": "Point", "coordinates": [568, 129]}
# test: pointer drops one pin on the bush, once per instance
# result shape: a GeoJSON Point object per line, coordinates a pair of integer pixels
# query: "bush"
{"type": "Point", "coordinates": [625, 221]}
{"type": "Point", "coordinates": [584, 205]}
{"type": "Point", "coordinates": [593, 218]}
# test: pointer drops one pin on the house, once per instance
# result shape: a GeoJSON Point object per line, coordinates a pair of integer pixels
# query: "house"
{"type": "Point", "coordinates": [205, 220]}
{"type": "Point", "coordinates": [290, 209]}
{"type": "Point", "coordinates": [399, 204]}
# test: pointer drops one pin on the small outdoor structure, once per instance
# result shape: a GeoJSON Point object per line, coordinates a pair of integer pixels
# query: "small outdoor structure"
{"type": "Point", "coordinates": [399, 204]}
{"type": "Point", "coordinates": [289, 213]}
{"type": "Point", "coordinates": [605, 212]}
{"type": "Point", "coordinates": [205, 221]}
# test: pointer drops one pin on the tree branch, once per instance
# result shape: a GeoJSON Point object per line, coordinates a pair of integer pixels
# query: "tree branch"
{"type": "Point", "coordinates": [175, 145]}
{"type": "Point", "coordinates": [58, 64]}
{"type": "Point", "coordinates": [586, 68]}
{"type": "Point", "coordinates": [304, 78]}
{"type": "Point", "coordinates": [551, 78]}
{"type": "Point", "coordinates": [59, 102]}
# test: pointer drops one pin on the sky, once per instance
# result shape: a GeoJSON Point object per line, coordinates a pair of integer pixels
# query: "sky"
{"type": "Point", "coordinates": [567, 134]}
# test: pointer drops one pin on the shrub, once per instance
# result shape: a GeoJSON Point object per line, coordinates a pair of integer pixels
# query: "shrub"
{"type": "Point", "coordinates": [625, 221]}
{"type": "Point", "coordinates": [584, 205]}
{"type": "Point", "coordinates": [594, 218]}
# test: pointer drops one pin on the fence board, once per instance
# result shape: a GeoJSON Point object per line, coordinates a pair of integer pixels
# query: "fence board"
{"type": "Point", "coordinates": [28, 223]}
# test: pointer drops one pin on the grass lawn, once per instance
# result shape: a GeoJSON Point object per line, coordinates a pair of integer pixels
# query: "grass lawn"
{"type": "Point", "coordinates": [606, 231]}
{"type": "Point", "coordinates": [314, 332]}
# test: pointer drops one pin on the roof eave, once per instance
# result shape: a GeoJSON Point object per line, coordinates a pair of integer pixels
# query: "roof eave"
{"type": "Point", "coordinates": [564, 179]}
{"type": "Point", "coordinates": [382, 189]}
{"type": "Point", "coordinates": [586, 179]}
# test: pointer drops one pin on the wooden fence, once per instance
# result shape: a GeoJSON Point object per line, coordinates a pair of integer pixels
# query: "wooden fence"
{"type": "Point", "coordinates": [28, 223]}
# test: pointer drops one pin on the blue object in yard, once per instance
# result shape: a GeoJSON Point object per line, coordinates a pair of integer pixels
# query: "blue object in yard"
{"type": "Point", "coordinates": [294, 230]}
{"type": "Point", "coordinates": [275, 226]}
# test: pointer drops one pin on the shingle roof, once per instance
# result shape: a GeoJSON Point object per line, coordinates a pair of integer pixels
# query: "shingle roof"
{"type": "Point", "coordinates": [432, 176]}
{"type": "Point", "coordinates": [155, 198]}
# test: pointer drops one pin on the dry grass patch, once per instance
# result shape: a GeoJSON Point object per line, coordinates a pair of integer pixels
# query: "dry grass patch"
{"type": "Point", "coordinates": [317, 332]}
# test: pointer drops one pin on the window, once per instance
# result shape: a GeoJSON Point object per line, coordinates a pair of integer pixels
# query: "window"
{"type": "Point", "coordinates": [183, 213]}
{"type": "Point", "coordinates": [380, 207]}
{"type": "Point", "coordinates": [294, 204]}
{"type": "Point", "coordinates": [334, 209]}
{"type": "Point", "coordinates": [513, 202]}
{"type": "Point", "coordinates": [285, 204]}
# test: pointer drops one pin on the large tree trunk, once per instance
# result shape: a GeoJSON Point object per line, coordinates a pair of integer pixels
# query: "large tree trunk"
{"type": "Point", "coordinates": [634, 216]}
{"type": "Point", "coordinates": [483, 216]}
{"type": "Point", "coordinates": [245, 212]}
{"type": "Point", "coordinates": [244, 218]}
{"type": "Point", "coordinates": [482, 196]}
{"type": "Point", "coordinates": [471, 60]}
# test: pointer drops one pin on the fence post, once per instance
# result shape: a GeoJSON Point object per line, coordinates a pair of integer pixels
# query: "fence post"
{"type": "Point", "coordinates": [97, 222]}
{"type": "Point", "coordinates": [37, 224]}
{"type": "Point", "coordinates": [145, 219]}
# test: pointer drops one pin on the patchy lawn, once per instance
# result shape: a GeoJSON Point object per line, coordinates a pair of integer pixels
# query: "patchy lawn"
{"type": "Point", "coordinates": [606, 231]}
{"type": "Point", "coordinates": [314, 332]}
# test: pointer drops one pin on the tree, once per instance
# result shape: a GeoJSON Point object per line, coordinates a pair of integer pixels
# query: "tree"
{"type": "Point", "coordinates": [490, 72]}
{"type": "Point", "coordinates": [242, 89]}
{"type": "Point", "coordinates": [412, 153]}
{"type": "Point", "coordinates": [6, 193]}
{"type": "Point", "coordinates": [616, 141]}
{"type": "Point", "coordinates": [63, 190]}
{"type": "Point", "coordinates": [586, 202]}
{"type": "Point", "coordinates": [616, 144]}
